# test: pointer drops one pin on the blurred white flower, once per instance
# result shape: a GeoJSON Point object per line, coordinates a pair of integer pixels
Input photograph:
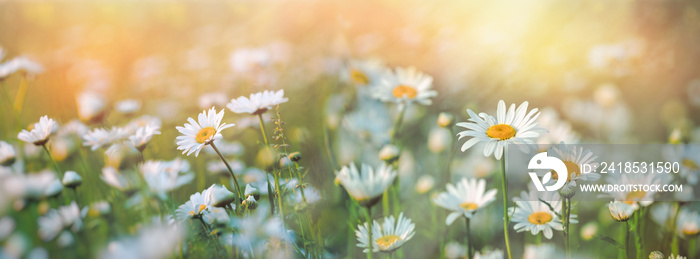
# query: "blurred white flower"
{"type": "Point", "coordinates": [424, 184]}
{"type": "Point", "coordinates": [204, 131]}
{"type": "Point", "coordinates": [117, 180]}
{"type": "Point", "coordinates": [227, 148]}
{"type": "Point", "coordinates": [143, 135]}
{"type": "Point", "coordinates": [509, 127]}
{"type": "Point", "coordinates": [7, 226]}
{"type": "Point", "coordinates": [159, 240]}
{"type": "Point", "coordinates": [405, 85]}
{"type": "Point", "coordinates": [688, 156]}
{"type": "Point", "coordinates": [142, 121]}
{"type": "Point", "coordinates": [368, 185]}
{"type": "Point", "coordinates": [56, 220]}
{"type": "Point", "coordinates": [74, 127]}
{"type": "Point", "coordinates": [620, 210]}
{"type": "Point", "coordinates": [454, 250]}
{"type": "Point", "coordinates": [493, 254]}
{"type": "Point", "coordinates": [637, 197]}
{"type": "Point", "coordinates": [72, 179]}
{"type": "Point", "coordinates": [559, 130]}
{"type": "Point", "coordinates": [128, 107]}
{"type": "Point", "coordinates": [439, 139]}
{"type": "Point", "coordinates": [693, 91]}
{"type": "Point", "coordinates": [91, 106]}
{"type": "Point", "coordinates": [216, 99]}
{"type": "Point", "coordinates": [465, 198]}
{"type": "Point", "coordinates": [363, 72]}
{"type": "Point", "coordinates": [40, 133]}
{"type": "Point", "coordinates": [220, 196]}
{"type": "Point", "coordinates": [688, 224]}
{"type": "Point", "coordinates": [256, 230]}
{"type": "Point", "coordinates": [7, 154]}
{"type": "Point", "coordinates": [545, 250]}
{"type": "Point", "coordinates": [54, 188]}
{"type": "Point", "coordinates": [258, 103]}
{"type": "Point", "coordinates": [100, 137]}
{"type": "Point", "coordinates": [386, 237]}
{"type": "Point", "coordinates": [162, 177]}
{"type": "Point", "coordinates": [18, 64]}
{"type": "Point", "coordinates": [575, 158]}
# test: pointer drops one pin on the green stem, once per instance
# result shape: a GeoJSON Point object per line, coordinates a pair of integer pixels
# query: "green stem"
{"type": "Point", "coordinates": [637, 235]}
{"type": "Point", "coordinates": [278, 193]}
{"type": "Point", "coordinates": [230, 170]}
{"type": "Point", "coordinates": [398, 122]}
{"type": "Point", "coordinates": [691, 247]}
{"type": "Point", "coordinates": [450, 157]}
{"type": "Point", "coordinates": [504, 186]}
{"type": "Point", "coordinates": [369, 231]}
{"type": "Point", "coordinates": [469, 239]}
{"type": "Point", "coordinates": [262, 130]}
{"type": "Point", "coordinates": [672, 229]}
{"type": "Point", "coordinates": [626, 239]}
{"type": "Point", "coordinates": [567, 230]}
{"type": "Point", "coordinates": [58, 169]}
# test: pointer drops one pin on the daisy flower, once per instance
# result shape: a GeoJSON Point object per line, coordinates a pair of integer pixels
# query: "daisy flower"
{"type": "Point", "coordinates": [530, 214]}
{"type": "Point", "coordinates": [688, 156]}
{"type": "Point", "coordinates": [100, 137]}
{"type": "Point", "coordinates": [465, 198]}
{"type": "Point", "coordinates": [117, 180]}
{"type": "Point", "coordinates": [368, 185]}
{"type": "Point", "coordinates": [18, 64]}
{"type": "Point", "coordinates": [143, 135]}
{"type": "Point", "coordinates": [40, 133]}
{"type": "Point", "coordinates": [200, 206]}
{"type": "Point", "coordinates": [575, 157]}
{"type": "Point", "coordinates": [7, 154]}
{"type": "Point", "coordinates": [620, 211]}
{"type": "Point", "coordinates": [494, 254]}
{"type": "Point", "coordinates": [197, 134]}
{"type": "Point", "coordinates": [161, 178]}
{"type": "Point", "coordinates": [128, 106]}
{"type": "Point", "coordinates": [405, 85]}
{"type": "Point", "coordinates": [258, 103]}
{"type": "Point", "coordinates": [635, 196]}
{"type": "Point", "coordinates": [363, 72]}
{"type": "Point", "coordinates": [688, 224]}
{"type": "Point", "coordinates": [91, 106]}
{"type": "Point", "coordinates": [386, 237]}
{"type": "Point", "coordinates": [515, 126]}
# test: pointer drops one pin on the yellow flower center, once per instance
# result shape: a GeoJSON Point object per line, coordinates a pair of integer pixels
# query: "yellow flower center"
{"type": "Point", "coordinates": [204, 134]}
{"type": "Point", "coordinates": [633, 197]}
{"type": "Point", "coordinates": [690, 230]}
{"type": "Point", "coordinates": [501, 132]}
{"type": "Point", "coordinates": [201, 208]}
{"type": "Point", "coordinates": [403, 90]}
{"type": "Point", "coordinates": [571, 167]}
{"type": "Point", "coordinates": [539, 218]}
{"type": "Point", "coordinates": [689, 163]}
{"type": "Point", "coordinates": [469, 206]}
{"type": "Point", "coordinates": [358, 77]}
{"type": "Point", "coordinates": [386, 241]}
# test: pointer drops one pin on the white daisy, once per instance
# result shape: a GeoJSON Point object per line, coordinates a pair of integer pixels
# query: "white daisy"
{"type": "Point", "coordinates": [493, 254]}
{"type": "Point", "coordinates": [559, 130]}
{"type": "Point", "coordinates": [143, 121]}
{"type": "Point", "coordinates": [465, 198]}
{"type": "Point", "coordinates": [258, 103]}
{"type": "Point", "coordinates": [535, 216]}
{"type": "Point", "coordinates": [18, 64]}
{"type": "Point", "coordinates": [41, 132]}
{"type": "Point", "coordinates": [117, 180]}
{"type": "Point", "coordinates": [7, 154]}
{"type": "Point", "coordinates": [632, 196]}
{"type": "Point", "coordinates": [100, 137]}
{"type": "Point", "coordinates": [197, 134]}
{"type": "Point", "coordinates": [386, 237]}
{"type": "Point", "coordinates": [143, 135]}
{"type": "Point", "coordinates": [688, 224]}
{"type": "Point", "coordinates": [91, 106]}
{"type": "Point", "coordinates": [688, 156]}
{"type": "Point", "coordinates": [405, 85]}
{"type": "Point", "coordinates": [512, 126]}
{"type": "Point", "coordinates": [363, 72]}
{"type": "Point", "coordinates": [620, 211]}
{"type": "Point", "coordinates": [212, 99]}
{"type": "Point", "coordinates": [200, 206]}
{"type": "Point", "coordinates": [162, 179]}
{"type": "Point", "coordinates": [128, 106]}
{"type": "Point", "coordinates": [367, 186]}
{"type": "Point", "coordinates": [575, 157]}
{"type": "Point", "coordinates": [257, 230]}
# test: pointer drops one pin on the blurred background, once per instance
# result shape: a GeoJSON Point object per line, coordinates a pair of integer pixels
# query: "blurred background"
{"type": "Point", "coordinates": [614, 71]}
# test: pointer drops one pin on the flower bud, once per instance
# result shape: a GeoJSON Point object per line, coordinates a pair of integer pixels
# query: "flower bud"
{"type": "Point", "coordinates": [568, 191]}
{"type": "Point", "coordinates": [425, 184]}
{"type": "Point", "coordinates": [252, 191]}
{"type": "Point", "coordinates": [389, 153]}
{"type": "Point", "coordinates": [250, 203]}
{"type": "Point", "coordinates": [445, 120]}
{"type": "Point", "coordinates": [72, 179]}
{"type": "Point", "coordinates": [656, 255]}
{"type": "Point", "coordinates": [295, 157]}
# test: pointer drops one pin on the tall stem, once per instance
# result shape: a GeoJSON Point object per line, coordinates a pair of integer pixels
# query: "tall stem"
{"type": "Point", "coordinates": [398, 122]}
{"type": "Point", "coordinates": [567, 214]}
{"type": "Point", "coordinates": [504, 186]}
{"type": "Point", "coordinates": [216, 242]}
{"type": "Point", "coordinates": [626, 239]}
{"type": "Point", "coordinates": [469, 239]}
{"type": "Point", "coordinates": [369, 231]}
{"type": "Point", "coordinates": [230, 170]}
{"type": "Point", "coordinates": [637, 235]}
{"type": "Point", "coordinates": [58, 169]}
{"type": "Point", "coordinates": [450, 157]}
{"type": "Point", "coordinates": [262, 130]}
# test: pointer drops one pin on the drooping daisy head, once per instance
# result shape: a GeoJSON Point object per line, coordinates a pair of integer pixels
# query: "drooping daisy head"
{"type": "Point", "coordinates": [465, 198]}
{"type": "Point", "coordinates": [386, 237]}
{"type": "Point", "coordinates": [405, 85]}
{"type": "Point", "coordinates": [515, 126]}
{"type": "Point", "coordinates": [367, 185]}
{"type": "Point", "coordinates": [620, 211]}
{"type": "Point", "coordinates": [197, 134]}
{"type": "Point", "coordinates": [258, 103]}
{"type": "Point", "coordinates": [7, 154]}
{"type": "Point", "coordinates": [40, 133]}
